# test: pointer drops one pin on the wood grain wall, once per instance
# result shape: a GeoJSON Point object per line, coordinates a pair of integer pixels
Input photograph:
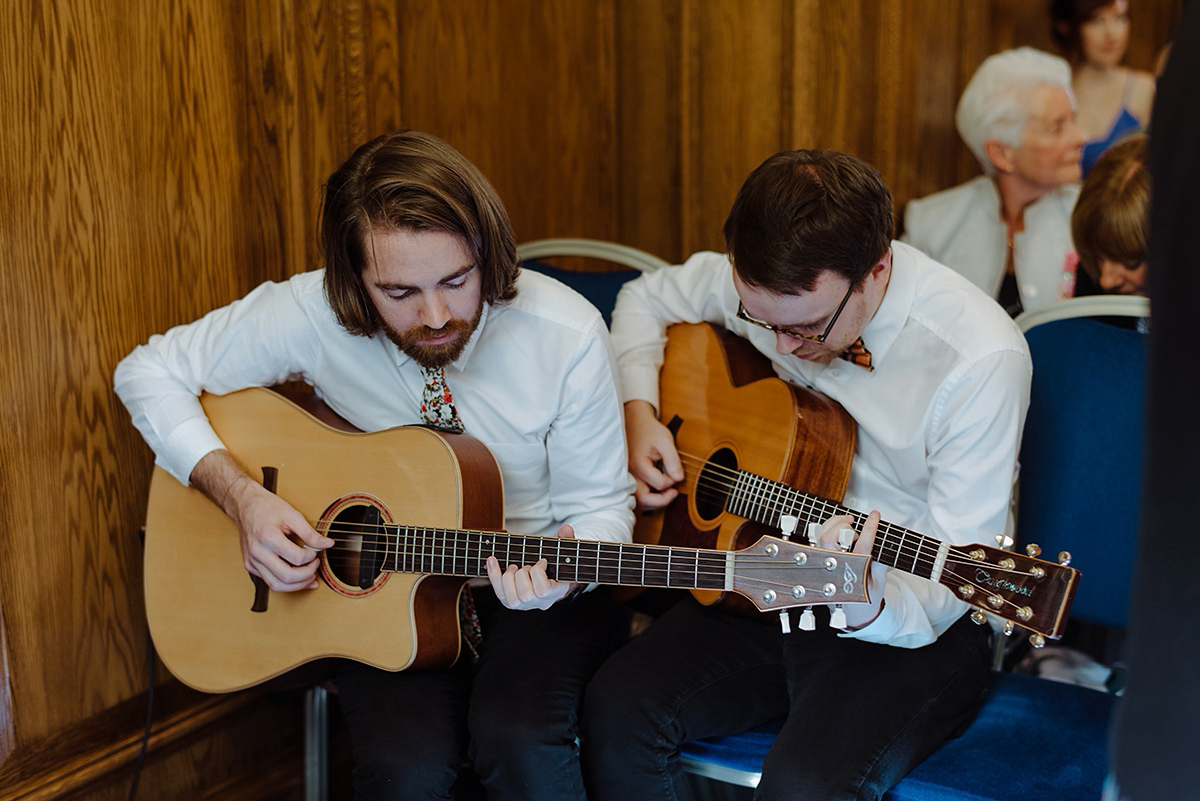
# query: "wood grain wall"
{"type": "Point", "coordinates": [161, 158]}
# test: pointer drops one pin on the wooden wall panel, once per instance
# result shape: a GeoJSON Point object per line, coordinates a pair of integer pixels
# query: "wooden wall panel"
{"type": "Point", "coordinates": [525, 89]}
{"type": "Point", "coordinates": [651, 136]}
{"type": "Point", "coordinates": [162, 157]}
{"type": "Point", "coordinates": [877, 79]}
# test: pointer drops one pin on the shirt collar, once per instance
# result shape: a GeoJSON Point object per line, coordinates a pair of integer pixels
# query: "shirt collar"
{"type": "Point", "coordinates": [893, 310]}
{"type": "Point", "coordinates": [460, 364]}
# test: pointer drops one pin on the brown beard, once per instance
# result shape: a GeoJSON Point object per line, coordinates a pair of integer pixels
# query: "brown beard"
{"type": "Point", "coordinates": [434, 356]}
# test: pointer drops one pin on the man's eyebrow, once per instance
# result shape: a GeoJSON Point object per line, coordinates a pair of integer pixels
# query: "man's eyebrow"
{"type": "Point", "coordinates": [391, 286]}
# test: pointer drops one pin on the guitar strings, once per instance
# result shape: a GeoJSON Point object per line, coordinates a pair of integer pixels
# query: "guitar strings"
{"type": "Point", "coordinates": [818, 506]}
{"type": "Point", "coordinates": [825, 508]}
{"type": "Point", "coordinates": [732, 478]}
{"type": "Point", "coordinates": [672, 559]}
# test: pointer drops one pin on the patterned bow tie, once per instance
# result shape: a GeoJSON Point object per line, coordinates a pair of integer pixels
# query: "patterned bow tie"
{"type": "Point", "coordinates": [437, 404]}
{"type": "Point", "coordinates": [858, 354]}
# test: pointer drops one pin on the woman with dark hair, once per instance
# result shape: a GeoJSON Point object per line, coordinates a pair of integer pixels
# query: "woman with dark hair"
{"type": "Point", "coordinates": [1112, 101]}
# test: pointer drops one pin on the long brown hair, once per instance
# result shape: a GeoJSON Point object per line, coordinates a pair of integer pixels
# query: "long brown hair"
{"type": "Point", "coordinates": [410, 181]}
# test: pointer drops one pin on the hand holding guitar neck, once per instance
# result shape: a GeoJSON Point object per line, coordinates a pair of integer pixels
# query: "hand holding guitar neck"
{"type": "Point", "coordinates": [529, 587]}
{"type": "Point", "coordinates": [857, 616]}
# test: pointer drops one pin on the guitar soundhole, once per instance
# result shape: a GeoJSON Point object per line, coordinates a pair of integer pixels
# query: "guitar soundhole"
{"type": "Point", "coordinates": [714, 484]}
{"type": "Point", "coordinates": [358, 557]}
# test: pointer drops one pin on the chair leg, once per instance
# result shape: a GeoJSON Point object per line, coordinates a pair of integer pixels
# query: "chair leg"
{"type": "Point", "coordinates": [316, 743]}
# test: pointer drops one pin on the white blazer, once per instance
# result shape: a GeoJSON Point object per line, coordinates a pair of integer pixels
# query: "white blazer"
{"type": "Point", "coordinates": [961, 227]}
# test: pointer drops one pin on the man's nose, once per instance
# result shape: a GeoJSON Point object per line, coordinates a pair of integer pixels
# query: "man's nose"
{"type": "Point", "coordinates": [785, 344]}
{"type": "Point", "coordinates": [435, 313]}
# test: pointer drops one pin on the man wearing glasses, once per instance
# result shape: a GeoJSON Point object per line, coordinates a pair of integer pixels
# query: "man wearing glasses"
{"type": "Point", "coordinates": [937, 378]}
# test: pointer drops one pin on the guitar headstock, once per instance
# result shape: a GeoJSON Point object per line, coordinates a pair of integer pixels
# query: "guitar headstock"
{"type": "Point", "coordinates": [1019, 588]}
{"type": "Point", "coordinates": [778, 574]}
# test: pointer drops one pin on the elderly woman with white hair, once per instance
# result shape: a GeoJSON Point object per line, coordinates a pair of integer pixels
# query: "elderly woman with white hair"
{"type": "Point", "coordinates": [1009, 230]}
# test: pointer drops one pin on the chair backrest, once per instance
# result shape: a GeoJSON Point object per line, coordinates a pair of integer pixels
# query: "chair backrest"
{"type": "Point", "coordinates": [600, 288]}
{"type": "Point", "coordinates": [1081, 456]}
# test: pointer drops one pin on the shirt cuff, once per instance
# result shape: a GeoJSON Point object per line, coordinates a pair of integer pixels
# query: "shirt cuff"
{"type": "Point", "coordinates": [188, 444]}
{"type": "Point", "coordinates": [640, 382]}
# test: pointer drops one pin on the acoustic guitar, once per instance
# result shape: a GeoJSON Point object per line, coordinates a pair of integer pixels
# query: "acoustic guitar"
{"type": "Point", "coordinates": [757, 449]}
{"type": "Point", "coordinates": [413, 512]}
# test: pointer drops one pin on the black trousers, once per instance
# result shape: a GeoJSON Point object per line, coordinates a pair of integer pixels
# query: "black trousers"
{"type": "Point", "coordinates": [514, 715]}
{"type": "Point", "coordinates": [859, 716]}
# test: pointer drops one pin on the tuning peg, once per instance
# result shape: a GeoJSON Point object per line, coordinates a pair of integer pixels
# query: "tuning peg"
{"type": "Point", "coordinates": [808, 621]}
{"type": "Point", "coordinates": [1008, 628]}
{"type": "Point", "coordinates": [845, 538]}
{"type": "Point", "coordinates": [787, 525]}
{"type": "Point", "coordinates": [813, 533]}
{"type": "Point", "coordinates": [785, 622]}
{"type": "Point", "coordinates": [1064, 558]}
{"type": "Point", "coordinates": [837, 618]}
{"type": "Point", "coordinates": [1034, 551]}
{"type": "Point", "coordinates": [978, 617]}
{"type": "Point", "coordinates": [1037, 640]}
{"type": "Point", "coordinates": [1004, 541]}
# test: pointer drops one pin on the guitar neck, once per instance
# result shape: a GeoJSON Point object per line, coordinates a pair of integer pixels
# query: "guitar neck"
{"type": "Point", "coordinates": [764, 501]}
{"type": "Point", "coordinates": [458, 552]}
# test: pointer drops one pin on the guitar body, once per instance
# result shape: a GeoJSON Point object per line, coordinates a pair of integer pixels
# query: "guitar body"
{"type": "Point", "coordinates": [734, 412]}
{"type": "Point", "coordinates": [199, 597]}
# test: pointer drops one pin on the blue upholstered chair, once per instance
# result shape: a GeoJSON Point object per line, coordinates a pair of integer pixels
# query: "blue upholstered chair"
{"type": "Point", "coordinates": [1079, 491]}
{"type": "Point", "coordinates": [600, 287]}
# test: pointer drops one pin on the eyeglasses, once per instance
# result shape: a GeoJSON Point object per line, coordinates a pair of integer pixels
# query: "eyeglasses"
{"type": "Point", "coordinates": [792, 332]}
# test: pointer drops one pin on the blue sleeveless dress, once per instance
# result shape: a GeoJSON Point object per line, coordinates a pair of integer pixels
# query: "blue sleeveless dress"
{"type": "Point", "coordinates": [1124, 125]}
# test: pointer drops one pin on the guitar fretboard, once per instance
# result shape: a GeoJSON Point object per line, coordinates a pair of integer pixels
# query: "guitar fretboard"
{"type": "Point", "coordinates": [764, 501]}
{"type": "Point", "coordinates": [458, 552]}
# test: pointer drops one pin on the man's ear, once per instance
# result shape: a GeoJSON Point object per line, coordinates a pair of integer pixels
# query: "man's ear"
{"type": "Point", "coordinates": [999, 154]}
{"type": "Point", "coordinates": [882, 268]}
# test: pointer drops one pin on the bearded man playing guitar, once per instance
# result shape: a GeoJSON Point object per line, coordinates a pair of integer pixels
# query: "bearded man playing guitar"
{"type": "Point", "coordinates": [422, 315]}
{"type": "Point", "coordinates": [937, 378]}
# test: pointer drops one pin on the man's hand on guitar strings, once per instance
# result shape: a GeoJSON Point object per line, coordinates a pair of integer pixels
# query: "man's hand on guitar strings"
{"type": "Point", "coordinates": [273, 534]}
{"type": "Point", "coordinates": [278, 544]}
{"type": "Point", "coordinates": [528, 587]}
{"type": "Point", "coordinates": [859, 615]}
{"type": "Point", "coordinates": [653, 460]}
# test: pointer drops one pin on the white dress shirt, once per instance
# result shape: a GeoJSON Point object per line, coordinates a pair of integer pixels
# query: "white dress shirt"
{"type": "Point", "coordinates": [939, 419]}
{"type": "Point", "coordinates": [536, 384]}
{"type": "Point", "coordinates": [961, 228]}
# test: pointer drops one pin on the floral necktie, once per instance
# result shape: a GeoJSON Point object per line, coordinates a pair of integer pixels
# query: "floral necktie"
{"type": "Point", "coordinates": [437, 404]}
{"type": "Point", "coordinates": [437, 409]}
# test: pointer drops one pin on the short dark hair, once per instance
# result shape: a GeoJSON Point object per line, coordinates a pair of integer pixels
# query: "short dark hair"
{"type": "Point", "coordinates": [1111, 219]}
{"type": "Point", "coordinates": [805, 212]}
{"type": "Point", "coordinates": [410, 181]}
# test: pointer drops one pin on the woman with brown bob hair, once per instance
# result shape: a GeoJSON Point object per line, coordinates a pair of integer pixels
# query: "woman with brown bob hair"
{"type": "Point", "coordinates": [1111, 221]}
